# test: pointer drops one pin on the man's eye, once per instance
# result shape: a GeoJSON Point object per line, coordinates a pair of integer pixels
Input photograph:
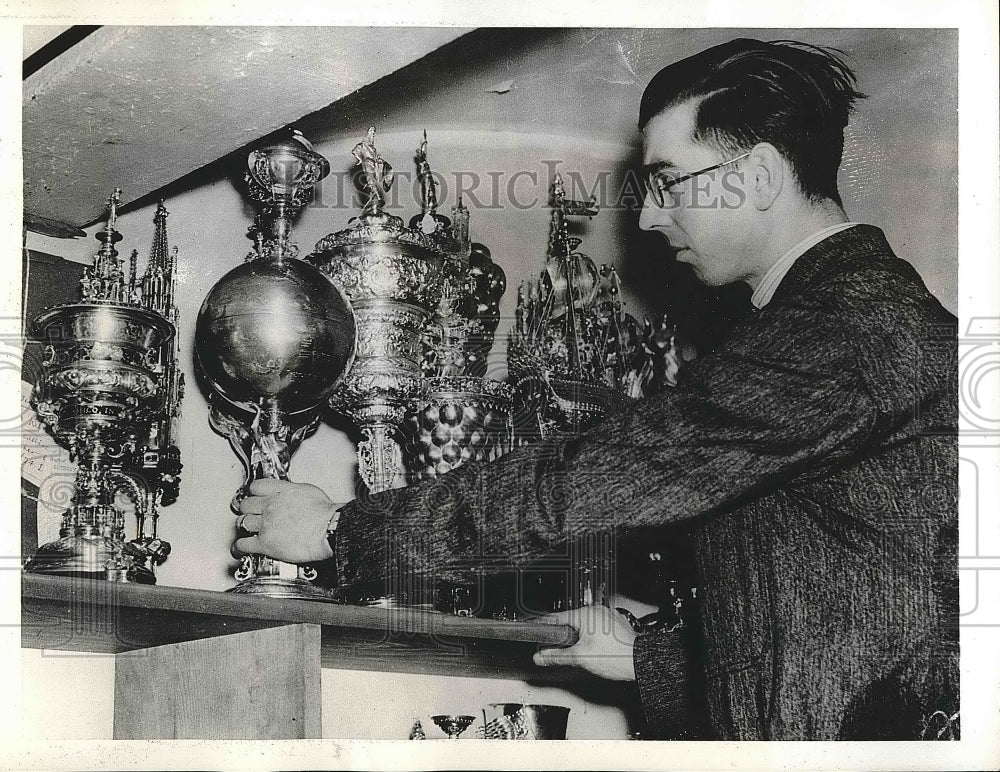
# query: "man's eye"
{"type": "Point", "coordinates": [664, 182]}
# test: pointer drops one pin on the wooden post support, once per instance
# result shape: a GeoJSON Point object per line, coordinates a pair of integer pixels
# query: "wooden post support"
{"type": "Point", "coordinates": [261, 685]}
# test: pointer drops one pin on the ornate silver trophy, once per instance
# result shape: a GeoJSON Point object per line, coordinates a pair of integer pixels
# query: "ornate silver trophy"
{"type": "Point", "coordinates": [110, 392]}
{"type": "Point", "coordinates": [573, 345]}
{"type": "Point", "coordinates": [394, 277]}
{"type": "Point", "coordinates": [274, 338]}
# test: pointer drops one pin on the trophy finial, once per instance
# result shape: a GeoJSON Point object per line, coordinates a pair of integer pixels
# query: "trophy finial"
{"type": "Point", "coordinates": [133, 263]}
{"type": "Point", "coordinates": [104, 281]}
{"type": "Point", "coordinates": [158, 252]}
{"type": "Point", "coordinates": [114, 201]}
{"type": "Point", "coordinates": [109, 236]}
{"type": "Point", "coordinates": [428, 221]}
{"type": "Point", "coordinates": [428, 190]}
{"type": "Point", "coordinates": [422, 150]}
{"type": "Point", "coordinates": [376, 171]}
{"type": "Point", "coordinates": [157, 294]}
{"type": "Point", "coordinates": [558, 191]}
{"type": "Point", "coordinates": [281, 177]}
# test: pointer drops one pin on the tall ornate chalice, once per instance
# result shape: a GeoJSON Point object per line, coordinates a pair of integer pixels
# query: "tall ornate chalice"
{"type": "Point", "coordinates": [274, 337]}
{"type": "Point", "coordinates": [109, 392]}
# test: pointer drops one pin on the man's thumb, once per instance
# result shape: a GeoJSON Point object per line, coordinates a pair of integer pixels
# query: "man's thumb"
{"type": "Point", "coordinates": [545, 657]}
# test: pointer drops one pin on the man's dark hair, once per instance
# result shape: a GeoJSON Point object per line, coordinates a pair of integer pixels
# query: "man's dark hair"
{"type": "Point", "coordinates": [796, 96]}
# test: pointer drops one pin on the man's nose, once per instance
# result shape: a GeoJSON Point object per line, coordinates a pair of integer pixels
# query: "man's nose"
{"type": "Point", "coordinates": [652, 215]}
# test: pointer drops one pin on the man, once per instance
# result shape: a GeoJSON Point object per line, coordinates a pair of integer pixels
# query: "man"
{"type": "Point", "coordinates": [812, 453]}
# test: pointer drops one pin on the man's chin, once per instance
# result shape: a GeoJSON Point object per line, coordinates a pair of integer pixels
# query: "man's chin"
{"type": "Point", "coordinates": [687, 257]}
{"type": "Point", "coordinates": [707, 280]}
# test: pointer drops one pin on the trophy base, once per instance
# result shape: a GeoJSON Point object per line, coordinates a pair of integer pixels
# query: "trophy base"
{"type": "Point", "coordinates": [87, 557]}
{"type": "Point", "coordinates": [576, 406]}
{"type": "Point", "coordinates": [281, 587]}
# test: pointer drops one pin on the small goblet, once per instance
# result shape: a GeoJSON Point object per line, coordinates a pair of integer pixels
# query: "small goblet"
{"type": "Point", "coordinates": [453, 726]}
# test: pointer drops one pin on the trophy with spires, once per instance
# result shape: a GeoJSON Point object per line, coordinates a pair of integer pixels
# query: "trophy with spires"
{"type": "Point", "coordinates": [572, 357]}
{"type": "Point", "coordinates": [573, 346]}
{"type": "Point", "coordinates": [110, 393]}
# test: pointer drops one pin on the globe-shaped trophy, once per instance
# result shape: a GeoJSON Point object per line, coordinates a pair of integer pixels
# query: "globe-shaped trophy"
{"type": "Point", "coordinates": [274, 337]}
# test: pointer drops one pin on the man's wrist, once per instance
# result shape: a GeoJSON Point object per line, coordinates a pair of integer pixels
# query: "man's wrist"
{"type": "Point", "coordinates": [331, 526]}
{"type": "Point", "coordinates": [331, 533]}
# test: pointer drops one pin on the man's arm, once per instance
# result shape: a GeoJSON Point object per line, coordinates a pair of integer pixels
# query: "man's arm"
{"type": "Point", "coordinates": [671, 686]}
{"type": "Point", "coordinates": [782, 398]}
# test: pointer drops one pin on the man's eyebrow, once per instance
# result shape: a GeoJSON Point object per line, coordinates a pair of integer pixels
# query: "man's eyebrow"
{"type": "Point", "coordinates": [657, 166]}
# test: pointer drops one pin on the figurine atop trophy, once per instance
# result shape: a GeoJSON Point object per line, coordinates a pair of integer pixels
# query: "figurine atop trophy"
{"type": "Point", "coordinates": [377, 174]}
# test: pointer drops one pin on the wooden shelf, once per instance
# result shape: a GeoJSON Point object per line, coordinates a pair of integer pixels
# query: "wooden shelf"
{"type": "Point", "coordinates": [96, 616]}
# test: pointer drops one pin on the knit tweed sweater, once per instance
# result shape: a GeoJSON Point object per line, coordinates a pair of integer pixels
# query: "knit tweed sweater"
{"type": "Point", "coordinates": [814, 456]}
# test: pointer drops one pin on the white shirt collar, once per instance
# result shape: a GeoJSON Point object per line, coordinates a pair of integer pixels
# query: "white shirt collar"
{"type": "Point", "coordinates": [769, 283]}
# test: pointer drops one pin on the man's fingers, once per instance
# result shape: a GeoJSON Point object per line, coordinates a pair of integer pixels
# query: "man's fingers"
{"type": "Point", "coordinates": [267, 486]}
{"type": "Point", "coordinates": [569, 617]}
{"type": "Point", "coordinates": [251, 523]}
{"type": "Point", "coordinates": [566, 656]}
{"type": "Point", "coordinates": [253, 505]}
{"type": "Point", "coordinates": [248, 545]}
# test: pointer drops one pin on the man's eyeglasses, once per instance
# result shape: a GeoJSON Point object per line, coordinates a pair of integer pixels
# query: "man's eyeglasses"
{"type": "Point", "coordinates": [661, 182]}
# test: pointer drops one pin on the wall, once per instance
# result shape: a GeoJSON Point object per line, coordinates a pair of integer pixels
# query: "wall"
{"type": "Point", "coordinates": [568, 97]}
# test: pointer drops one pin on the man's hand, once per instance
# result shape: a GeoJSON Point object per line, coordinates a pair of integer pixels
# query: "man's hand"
{"type": "Point", "coordinates": [605, 645]}
{"type": "Point", "coordinates": [288, 521]}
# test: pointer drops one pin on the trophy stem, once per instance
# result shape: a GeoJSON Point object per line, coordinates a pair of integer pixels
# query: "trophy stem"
{"type": "Point", "coordinates": [266, 448]}
{"type": "Point", "coordinates": [378, 454]}
{"type": "Point", "coordinates": [281, 226]}
{"type": "Point", "coordinates": [154, 518]}
{"type": "Point", "coordinates": [260, 575]}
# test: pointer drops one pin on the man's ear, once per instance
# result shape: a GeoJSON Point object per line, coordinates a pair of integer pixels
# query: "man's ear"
{"type": "Point", "coordinates": [767, 175]}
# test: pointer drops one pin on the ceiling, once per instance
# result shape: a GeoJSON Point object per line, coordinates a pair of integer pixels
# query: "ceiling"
{"type": "Point", "coordinates": [141, 107]}
{"type": "Point", "coordinates": [37, 37]}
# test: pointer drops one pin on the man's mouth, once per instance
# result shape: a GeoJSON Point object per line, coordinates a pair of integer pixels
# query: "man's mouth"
{"type": "Point", "coordinates": [677, 248]}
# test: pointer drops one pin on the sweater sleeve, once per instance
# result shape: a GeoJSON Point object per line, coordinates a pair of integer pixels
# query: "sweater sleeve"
{"type": "Point", "coordinates": [783, 398]}
{"type": "Point", "coordinates": [668, 677]}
